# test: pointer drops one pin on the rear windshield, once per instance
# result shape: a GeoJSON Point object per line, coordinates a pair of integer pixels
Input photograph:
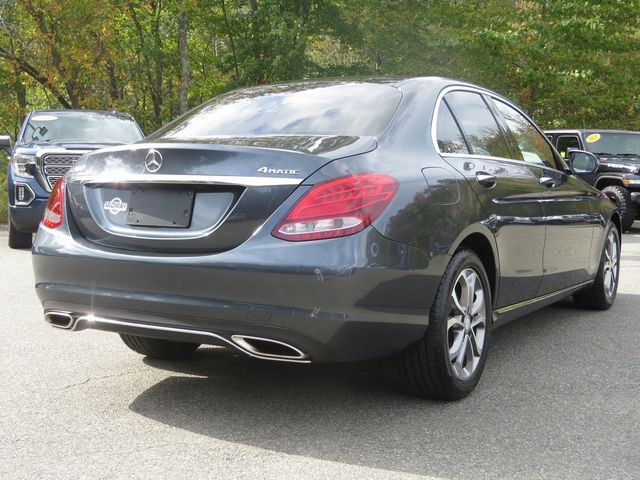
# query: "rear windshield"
{"type": "Point", "coordinates": [353, 109]}
{"type": "Point", "coordinates": [90, 127]}
{"type": "Point", "coordinates": [613, 143]}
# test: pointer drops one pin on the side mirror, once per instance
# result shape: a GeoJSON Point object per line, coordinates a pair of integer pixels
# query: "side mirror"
{"type": "Point", "coordinates": [582, 163]}
{"type": "Point", "coordinates": [5, 143]}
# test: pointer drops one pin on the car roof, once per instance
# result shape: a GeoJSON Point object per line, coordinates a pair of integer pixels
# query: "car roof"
{"type": "Point", "coordinates": [394, 82]}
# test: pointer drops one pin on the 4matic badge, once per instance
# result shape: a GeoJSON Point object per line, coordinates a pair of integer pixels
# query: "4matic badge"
{"type": "Point", "coordinates": [277, 171]}
{"type": "Point", "coordinates": [115, 206]}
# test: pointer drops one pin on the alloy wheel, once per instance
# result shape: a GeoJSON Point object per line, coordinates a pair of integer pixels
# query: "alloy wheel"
{"type": "Point", "coordinates": [466, 324]}
{"type": "Point", "coordinates": [611, 256]}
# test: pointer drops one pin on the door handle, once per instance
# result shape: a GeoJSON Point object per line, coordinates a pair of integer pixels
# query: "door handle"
{"type": "Point", "coordinates": [486, 179]}
{"type": "Point", "coordinates": [548, 181]}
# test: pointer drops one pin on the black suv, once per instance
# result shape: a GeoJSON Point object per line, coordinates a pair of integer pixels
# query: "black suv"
{"type": "Point", "coordinates": [618, 175]}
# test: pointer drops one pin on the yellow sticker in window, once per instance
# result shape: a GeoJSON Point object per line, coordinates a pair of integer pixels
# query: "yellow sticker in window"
{"type": "Point", "coordinates": [593, 138]}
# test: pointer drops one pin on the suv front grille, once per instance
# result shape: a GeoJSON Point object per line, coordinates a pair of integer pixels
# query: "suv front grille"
{"type": "Point", "coordinates": [56, 165]}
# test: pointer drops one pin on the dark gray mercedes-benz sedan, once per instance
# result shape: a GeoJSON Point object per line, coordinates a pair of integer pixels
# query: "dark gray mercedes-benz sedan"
{"type": "Point", "coordinates": [329, 221]}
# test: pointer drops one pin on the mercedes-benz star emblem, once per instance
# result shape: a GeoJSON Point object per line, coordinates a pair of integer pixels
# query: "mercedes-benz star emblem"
{"type": "Point", "coordinates": [153, 161]}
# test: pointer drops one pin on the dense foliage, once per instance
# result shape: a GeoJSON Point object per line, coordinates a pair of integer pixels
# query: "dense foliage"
{"type": "Point", "coordinates": [570, 63]}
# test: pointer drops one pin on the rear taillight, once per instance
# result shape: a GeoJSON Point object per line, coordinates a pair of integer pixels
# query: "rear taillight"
{"type": "Point", "coordinates": [53, 212]}
{"type": "Point", "coordinates": [337, 208]}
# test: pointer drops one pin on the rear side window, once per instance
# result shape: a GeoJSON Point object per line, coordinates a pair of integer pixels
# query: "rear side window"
{"type": "Point", "coordinates": [532, 144]}
{"type": "Point", "coordinates": [448, 134]}
{"type": "Point", "coordinates": [479, 125]}
{"type": "Point", "coordinates": [566, 142]}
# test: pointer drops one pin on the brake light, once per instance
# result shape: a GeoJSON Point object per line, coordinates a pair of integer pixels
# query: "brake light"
{"type": "Point", "coordinates": [53, 212]}
{"type": "Point", "coordinates": [337, 208]}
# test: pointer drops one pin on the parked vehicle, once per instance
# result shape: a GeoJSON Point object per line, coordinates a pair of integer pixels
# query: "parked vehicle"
{"type": "Point", "coordinates": [329, 221]}
{"type": "Point", "coordinates": [5, 143]}
{"type": "Point", "coordinates": [48, 144]}
{"type": "Point", "coordinates": [618, 175]}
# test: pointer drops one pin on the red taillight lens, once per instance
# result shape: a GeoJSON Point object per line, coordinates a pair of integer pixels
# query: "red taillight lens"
{"type": "Point", "coordinates": [53, 212]}
{"type": "Point", "coordinates": [337, 208]}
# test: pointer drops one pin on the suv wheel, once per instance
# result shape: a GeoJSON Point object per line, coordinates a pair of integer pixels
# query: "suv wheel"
{"type": "Point", "coordinates": [447, 363]}
{"type": "Point", "coordinates": [18, 239]}
{"type": "Point", "coordinates": [157, 348]}
{"type": "Point", "coordinates": [621, 197]}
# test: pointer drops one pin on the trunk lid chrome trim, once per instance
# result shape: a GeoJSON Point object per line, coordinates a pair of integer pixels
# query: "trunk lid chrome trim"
{"type": "Point", "coordinates": [242, 181]}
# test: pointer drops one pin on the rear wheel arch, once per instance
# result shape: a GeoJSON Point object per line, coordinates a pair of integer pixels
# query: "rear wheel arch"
{"type": "Point", "coordinates": [486, 250]}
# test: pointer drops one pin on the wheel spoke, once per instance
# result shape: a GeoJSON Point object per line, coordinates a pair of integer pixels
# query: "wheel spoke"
{"type": "Point", "coordinates": [457, 303]}
{"type": "Point", "coordinates": [478, 320]}
{"type": "Point", "coordinates": [479, 335]}
{"type": "Point", "coordinates": [608, 280]}
{"type": "Point", "coordinates": [478, 303]}
{"type": "Point", "coordinates": [470, 357]}
{"type": "Point", "coordinates": [455, 321]}
{"type": "Point", "coordinates": [454, 350]}
{"type": "Point", "coordinates": [473, 342]}
{"type": "Point", "coordinates": [470, 280]}
{"type": "Point", "coordinates": [462, 352]}
{"type": "Point", "coordinates": [614, 253]}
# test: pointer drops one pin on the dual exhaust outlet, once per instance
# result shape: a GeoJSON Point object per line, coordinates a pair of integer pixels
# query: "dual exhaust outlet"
{"type": "Point", "coordinates": [258, 347]}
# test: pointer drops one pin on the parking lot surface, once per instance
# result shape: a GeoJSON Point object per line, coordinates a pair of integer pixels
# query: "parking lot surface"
{"type": "Point", "coordinates": [559, 398]}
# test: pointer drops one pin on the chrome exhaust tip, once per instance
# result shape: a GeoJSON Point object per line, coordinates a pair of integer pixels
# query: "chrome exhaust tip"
{"type": "Point", "coordinates": [268, 348]}
{"type": "Point", "coordinates": [62, 320]}
{"type": "Point", "coordinates": [258, 347]}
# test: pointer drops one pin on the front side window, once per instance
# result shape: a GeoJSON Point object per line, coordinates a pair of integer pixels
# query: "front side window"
{"type": "Point", "coordinates": [565, 142]}
{"type": "Point", "coordinates": [450, 139]}
{"type": "Point", "coordinates": [532, 144]}
{"type": "Point", "coordinates": [479, 125]}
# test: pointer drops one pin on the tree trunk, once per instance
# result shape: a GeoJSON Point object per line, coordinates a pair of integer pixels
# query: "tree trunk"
{"type": "Point", "coordinates": [184, 61]}
{"type": "Point", "coordinates": [232, 43]}
{"type": "Point", "coordinates": [21, 97]}
{"type": "Point", "coordinates": [113, 82]}
{"type": "Point", "coordinates": [156, 87]}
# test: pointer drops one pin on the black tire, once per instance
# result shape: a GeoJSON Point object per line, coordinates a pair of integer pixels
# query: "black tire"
{"type": "Point", "coordinates": [19, 239]}
{"type": "Point", "coordinates": [427, 367]}
{"type": "Point", "coordinates": [600, 295]}
{"type": "Point", "coordinates": [157, 348]}
{"type": "Point", "coordinates": [621, 197]}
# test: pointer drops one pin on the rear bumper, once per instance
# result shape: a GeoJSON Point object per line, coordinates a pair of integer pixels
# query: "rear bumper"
{"type": "Point", "coordinates": [353, 298]}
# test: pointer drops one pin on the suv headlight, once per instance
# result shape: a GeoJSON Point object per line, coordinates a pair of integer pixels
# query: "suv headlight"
{"type": "Point", "coordinates": [19, 164]}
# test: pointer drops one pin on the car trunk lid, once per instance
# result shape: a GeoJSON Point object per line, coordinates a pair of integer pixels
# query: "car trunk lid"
{"type": "Point", "coordinates": [194, 197]}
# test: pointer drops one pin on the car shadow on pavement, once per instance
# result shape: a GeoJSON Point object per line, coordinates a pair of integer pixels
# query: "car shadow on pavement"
{"type": "Point", "coordinates": [524, 418]}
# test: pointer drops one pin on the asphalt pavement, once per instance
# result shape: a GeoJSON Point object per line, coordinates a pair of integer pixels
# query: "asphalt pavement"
{"type": "Point", "coordinates": [559, 398]}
